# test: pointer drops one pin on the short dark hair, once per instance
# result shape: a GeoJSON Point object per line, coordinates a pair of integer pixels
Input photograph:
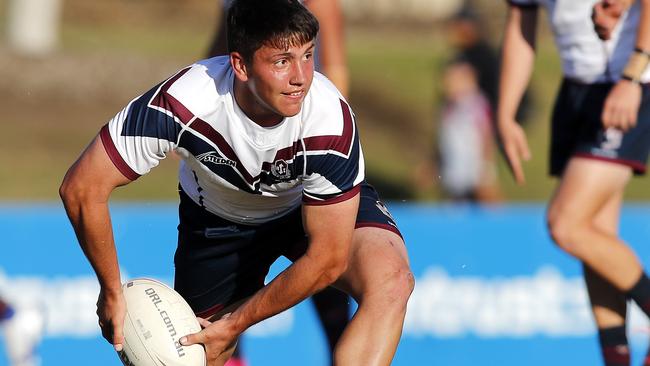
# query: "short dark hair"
{"type": "Point", "coordinates": [276, 23]}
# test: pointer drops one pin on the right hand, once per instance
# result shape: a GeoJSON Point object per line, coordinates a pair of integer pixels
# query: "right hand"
{"type": "Point", "coordinates": [515, 147]}
{"type": "Point", "coordinates": [111, 310]}
{"type": "Point", "coordinates": [605, 15]}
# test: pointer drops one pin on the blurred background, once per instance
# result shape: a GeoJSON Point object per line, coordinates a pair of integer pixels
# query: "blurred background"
{"type": "Point", "coordinates": [68, 66]}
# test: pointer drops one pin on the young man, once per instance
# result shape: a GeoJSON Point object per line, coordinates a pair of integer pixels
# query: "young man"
{"type": "Point", "coordinates": [271, 166]}
{"type": "Point", "coordinates": [600, 138]}
{"type": "Point", "coordinates": [332, 305]}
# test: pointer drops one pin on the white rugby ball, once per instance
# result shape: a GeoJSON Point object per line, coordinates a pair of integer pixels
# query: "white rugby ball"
{"type": "Point", "coordinates": [156, 318]}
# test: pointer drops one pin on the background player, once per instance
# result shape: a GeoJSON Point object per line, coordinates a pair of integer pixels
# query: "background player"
{"type": "Point", "coordinates": [256, 136]}
{"type": "Point", "coordinates": [600, 138]}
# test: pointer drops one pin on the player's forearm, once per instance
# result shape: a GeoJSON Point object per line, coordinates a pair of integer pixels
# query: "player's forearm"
{"type": "Point", "coordinates": [303, 278]}
{"type": "Point", "coordinates": [92, 225]}
{"type": "Point", "coordinates": [643, 32]}
{"type": "Point", "coordinates": [517, 59]}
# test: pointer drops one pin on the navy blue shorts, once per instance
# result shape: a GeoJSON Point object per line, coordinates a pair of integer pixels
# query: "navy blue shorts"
{"type": "Point", "coordinates": [219, 262]}
{"type": "Point", "coordinates": [577, 129]}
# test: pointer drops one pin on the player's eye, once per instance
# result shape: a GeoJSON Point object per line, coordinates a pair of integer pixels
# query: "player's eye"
{"type": "Point", "coordinates": [281, 62]}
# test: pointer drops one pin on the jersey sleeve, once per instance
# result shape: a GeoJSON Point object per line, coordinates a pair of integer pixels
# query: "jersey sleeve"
{"type": "Point", "coordinates": [142, 134]}
{"type": "Point", "coordinates": [334, 163]}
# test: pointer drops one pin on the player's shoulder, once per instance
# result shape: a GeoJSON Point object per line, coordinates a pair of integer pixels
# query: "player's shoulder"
{"type": "Point", "coordinates": [200, 85]}
{"type": "Point", "coordinates": [325, 109]}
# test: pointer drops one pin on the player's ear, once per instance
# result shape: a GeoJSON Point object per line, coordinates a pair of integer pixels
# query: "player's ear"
{"type": "Point", "coordinates": [239, 66]}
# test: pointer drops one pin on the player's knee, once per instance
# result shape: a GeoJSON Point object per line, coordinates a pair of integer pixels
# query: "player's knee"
{"type": "Point", "coordinates": [398, 286]}
{"type": "Point", "coordinates": [563, 231]}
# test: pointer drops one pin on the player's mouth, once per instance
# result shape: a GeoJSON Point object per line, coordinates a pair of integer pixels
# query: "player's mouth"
{"type": "Point", "coordinates": [298, 94]}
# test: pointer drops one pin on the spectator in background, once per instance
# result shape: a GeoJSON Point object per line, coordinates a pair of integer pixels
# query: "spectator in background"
{"type": "Point", "coordinates": [466, 146]}
{"type": "Point", "coordinates": [332, 305]}
{"type": "Point", "coordinates": [22, 330]}
{"type": "Point", "coordinates": [466, 33]}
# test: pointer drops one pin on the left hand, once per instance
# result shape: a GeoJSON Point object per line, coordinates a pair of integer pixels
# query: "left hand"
{"type": "Point", "coordinates": [218, 337]}
{"type": "Point", "coordinates": [605, 16]}
{"type": "Point", "coordinates": [622, 106]}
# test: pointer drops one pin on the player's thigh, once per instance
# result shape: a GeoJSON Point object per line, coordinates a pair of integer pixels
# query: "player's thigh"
{"type": "Point", "coordinates": [587, 186]}
{"type": "Point", "coordinates": [378, 260]}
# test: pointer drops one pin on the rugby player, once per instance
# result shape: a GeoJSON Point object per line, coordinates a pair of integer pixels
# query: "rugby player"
{"type": "Point", "coordinates": [600, 139]}
{"type": "Point", "coordinates": [332, 305]}
{"type": "Point", "coordinates": [271, 165]}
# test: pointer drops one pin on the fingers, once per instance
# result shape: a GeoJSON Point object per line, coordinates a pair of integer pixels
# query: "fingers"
{"type": "Point", "coordinates": [515, 164]}
{"type": "Point", "coordinates": [203, 322]}
{"type": "Point", "coordinates": [605, 15]}
{"type": "Point", "coordinates": [515, 146]}
{"type": "Point", "coordinates": [118, 336]}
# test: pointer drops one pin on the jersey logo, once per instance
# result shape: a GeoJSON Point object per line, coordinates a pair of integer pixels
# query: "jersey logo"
{"type": "Point", "coordinates": [280, 169]}
{"type": "Point", "coordinates": [380, 205]}
{"type": "Point", "coordinates": [212, 157]}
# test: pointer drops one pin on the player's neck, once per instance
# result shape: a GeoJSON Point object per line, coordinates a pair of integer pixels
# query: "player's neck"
{"type": "Point", "coordinates": [253, 108]}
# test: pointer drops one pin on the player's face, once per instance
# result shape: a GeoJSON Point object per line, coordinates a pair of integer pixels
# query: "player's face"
{"type": "Point", "coordinates": [277, 81]}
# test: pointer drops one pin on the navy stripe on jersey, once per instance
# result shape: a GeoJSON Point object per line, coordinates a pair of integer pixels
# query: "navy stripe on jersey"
{"type": "Point", "coordinates": [340, 170]}
{"type": "Point", "coordinates": [115, 156]}
{"type": "Point", "coordinates": [142, 120]}
{"type": "Point", "coordinates": [213, 160]}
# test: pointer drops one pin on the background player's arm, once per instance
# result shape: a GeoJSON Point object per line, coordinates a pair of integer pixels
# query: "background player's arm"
{"type": "Point", "coordinates": [85, 192]}
{"type": "Point", "coordinates": [331, 42]}
{"type": "Point", "coordinates": [606, 14]}
{"type": "Point", "coordinates": [329, 229]}
{"type": "Point", "coordinates": [622, 104]}
{"type": "Point", "coordinates": [517, 59]}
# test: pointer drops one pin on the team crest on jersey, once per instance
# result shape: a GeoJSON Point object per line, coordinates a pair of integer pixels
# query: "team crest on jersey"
{"type": "Point", "coordinates": [212, 157]}
{"type": "Point", "coordinates": [280, 169]}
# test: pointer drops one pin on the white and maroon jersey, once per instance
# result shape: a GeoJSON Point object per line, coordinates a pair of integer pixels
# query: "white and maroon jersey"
{"type": "Point", "coordinates": [230, 165]}
{"type": "Point", "coordinates": [586, 58]}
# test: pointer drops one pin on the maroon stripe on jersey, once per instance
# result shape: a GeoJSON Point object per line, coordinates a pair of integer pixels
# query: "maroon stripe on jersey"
{"type": "Point", "coordinates": [206, 130]}
{"type": "Point", "coordinates": [166, 101]}
{"type": "Point", "coordinates": [115, 156]}
{"type": "Point", "coordinates": [340, 198]}
{"type": "Point", "coordinates": [341, 143]}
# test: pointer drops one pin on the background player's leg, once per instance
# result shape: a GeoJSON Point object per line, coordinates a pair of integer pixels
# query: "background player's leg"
{"type": "Point", "coordinates": [585, 188]}
{"type": "Point", "coordinates": [608, 303]}
{"type": "Point", "coordinates": [333, 308]}
{"type": "Point", "coordinates": [379, 279]}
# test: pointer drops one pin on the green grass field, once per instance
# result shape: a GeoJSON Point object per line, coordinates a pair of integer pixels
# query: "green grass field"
{"type": "Point", "coordinates": [54, 106]}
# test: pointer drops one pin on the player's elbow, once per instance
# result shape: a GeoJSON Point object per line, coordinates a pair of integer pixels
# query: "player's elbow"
{"type": "Point", "coordinates": [74, 192]}
{"type": "Point", "coordinates": [333, 268]}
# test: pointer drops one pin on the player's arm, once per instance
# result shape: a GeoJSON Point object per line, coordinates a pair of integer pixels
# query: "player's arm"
{"type": "Point", "coordinates": [622, 104]}
{"type": "Point", "coordinates": [517, 59]}
{"type": "Point", "coordinates": [85, 192]}
{"type": "Point", "coordinates": [329, 229]}
{"type": "Point", "coordinates": [332, 55]}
